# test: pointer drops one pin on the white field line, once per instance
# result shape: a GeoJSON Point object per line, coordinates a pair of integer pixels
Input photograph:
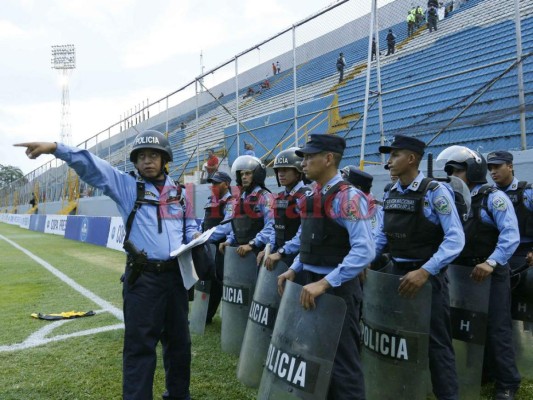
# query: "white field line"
{"type": "Point", "coordinates": [38, 338]}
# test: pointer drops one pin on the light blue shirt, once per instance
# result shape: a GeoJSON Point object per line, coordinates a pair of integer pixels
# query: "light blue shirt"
{"type": "Point", "coordinates": [265, 202]}
{"type": "Point", "coordinates": [377, 219]}
{"type": "Point", "coordinates": [222, 231]}
{"type": "Point", "coordinates": [122, 189]}
{"type": "Point", "coordinates": [447, 217]}
{"type": "Point", "coordinates": [527, 199]}
{"type": "Point", "coordinates": [249, 153]}
{"type": "Point", "coordinates": [357, 223]}
{"type": "Point", "coordinates": [504, 219]}
{"type": "Point", "coordinates": [291, 246]}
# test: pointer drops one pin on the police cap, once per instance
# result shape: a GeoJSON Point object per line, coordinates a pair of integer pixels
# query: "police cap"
{"type": "Point", "coordinates": [402, 142]}
{"type": "Point", "coordinates": [499, 157]}
{"type": "Point", "coordinates": [357, 177]}
{"type": "Point", "coordinates": [323, 142]}
{"type": "Point", "coordinates": [218, 177]}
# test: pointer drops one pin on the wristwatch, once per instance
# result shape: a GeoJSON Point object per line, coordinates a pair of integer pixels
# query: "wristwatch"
{"type": "Point", "coordinates": [281, 252]}
{"type": "Point", "coordinates": [491, 263]}
{"type": "Point", "coordinates": [252, 243]}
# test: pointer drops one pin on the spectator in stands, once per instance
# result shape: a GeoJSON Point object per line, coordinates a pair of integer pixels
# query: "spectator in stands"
{"type": "Point", "coordinates": [278, 67]}
{"type": "Point", "coordinates": [411, 22]}
{"type": "Point", "coordinates": [433, 3]}
{"type": "Point", "coordinates": [441, 11]}
{"type": "Point", "coordinates": [274, 69]}
{"type": "Point", "coordinates": [391, 42]}
{"type": "Point", "coordinates": [419, 16]}
{"type": "Point", "coordinates": [249, 92]}
{"type": "Point", "coordinates": [211, 165]}
{"type": "Point", "coordinates": [374, 49]}
{"type": "Point", "coordinates": [183, 126]}
{"type": "Point", "coordinates": [341, 63]}
{"type": "Point", "coordinates": [33, 201]}
{"type": "Point", "coordinates": [249, 149]}
{"type": "Point", "coordinates": [432, 18]}
{"type": "Point", "coordinates": [265, 84]}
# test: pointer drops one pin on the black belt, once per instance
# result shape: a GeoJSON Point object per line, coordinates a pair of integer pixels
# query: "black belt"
{"type": "Point", "coordinates": [160, 265]}
{"type": "Point", "coordinates": [409, 265]}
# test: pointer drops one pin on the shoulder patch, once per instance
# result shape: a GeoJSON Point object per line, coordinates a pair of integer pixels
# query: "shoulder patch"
{"type": "Point", "coordinates": [442, 205]}
{"type": "Point", "coordinates": [498, 203]}
{"type": "Point", "coordinates": [229, 207]}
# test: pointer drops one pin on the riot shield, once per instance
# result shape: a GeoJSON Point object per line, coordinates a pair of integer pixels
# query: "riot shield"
{"type": "Point", "coordinates": [395, 332]}
{"type": "Point", "coordinates": [522, 312]}
{"type": "Point", "coordinates": [300, 356]}
{"type": "Point", "coordinates": [199, 307]}
{"type": "Point", "coordinates": [240, 275]}
{"type": "Point", "coordinates": [469, 306]}
{"type": "Point", "coordinates": [261, 319]}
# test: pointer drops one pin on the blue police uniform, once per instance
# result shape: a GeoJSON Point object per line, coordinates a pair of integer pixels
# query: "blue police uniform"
{"type": "Point", "coordinates": [156, 305]}
{"type": "Point", "coordinates": [222, 231]}
{"type": "Point", "coordinates": [499, 358]}
{"type": "Point", "coordinates": [262, 209]}
{"type": "Point", "coordinates": [291, 246]}
{"type": "Point", "coordinates": [440, 215]}
{"type": "Point", "coordinates": [526, 234]}
{"type": "Point", "coordinates": [377, 219]}
{"type": "Point", "coordinates": [347, 381]}
{"type": "Point", "coordinates": [218, 236]}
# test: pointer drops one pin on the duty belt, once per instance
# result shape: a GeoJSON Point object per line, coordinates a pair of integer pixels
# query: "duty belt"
{"type": "Point", "coordinates": [409, 265]}
{"type": "Point", "coordinates": [159, 265]}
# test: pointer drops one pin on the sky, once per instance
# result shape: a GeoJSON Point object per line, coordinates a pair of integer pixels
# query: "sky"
{"type": "Point", "coordinates": [127, 51]}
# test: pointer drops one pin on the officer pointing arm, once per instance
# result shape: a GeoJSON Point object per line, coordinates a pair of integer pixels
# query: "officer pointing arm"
{"type": "Point", "coordinates": [157, 206]}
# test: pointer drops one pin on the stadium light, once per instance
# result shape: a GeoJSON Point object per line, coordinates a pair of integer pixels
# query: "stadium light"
{"type": "Point", "coordinates": [64, 61]}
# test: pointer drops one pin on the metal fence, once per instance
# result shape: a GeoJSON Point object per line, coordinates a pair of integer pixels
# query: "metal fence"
{"type": "Point", "coordinates": [444, 86]}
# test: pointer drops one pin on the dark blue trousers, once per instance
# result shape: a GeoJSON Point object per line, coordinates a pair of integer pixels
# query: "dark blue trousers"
{"type": "Point", "coordinates": [155, 309]}
{"type": "Point", "coordinates": [499, 362]}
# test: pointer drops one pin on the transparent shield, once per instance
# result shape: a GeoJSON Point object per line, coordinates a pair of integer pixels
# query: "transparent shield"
{"type": "Point", "coordinates": [395, 333]}
{"type": "Point", "coordinates": [260, 326]}
{"type": "Point", "coordinates": [469, 305]}
{"type": "Point", "coordinates": [303, 346]}
{"type": "Point", "coordinates": [240, 275]}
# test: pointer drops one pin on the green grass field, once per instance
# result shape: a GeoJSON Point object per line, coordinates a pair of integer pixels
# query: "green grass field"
{"type": "Point", "coordinates": [84, 364]}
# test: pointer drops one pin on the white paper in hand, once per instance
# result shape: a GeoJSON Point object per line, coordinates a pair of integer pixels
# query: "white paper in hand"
{"type": "Point", "coordinates": [188, 273]}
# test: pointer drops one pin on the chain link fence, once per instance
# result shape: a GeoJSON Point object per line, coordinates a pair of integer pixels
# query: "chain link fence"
{"type": "Point", "coordinates": [467, 80]}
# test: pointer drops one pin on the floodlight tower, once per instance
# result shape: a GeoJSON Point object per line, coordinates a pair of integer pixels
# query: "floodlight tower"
{"type": "Point", "coordinates": [64, 60]}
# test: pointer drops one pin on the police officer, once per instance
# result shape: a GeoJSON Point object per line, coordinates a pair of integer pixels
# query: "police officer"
{"type": "Point", "coordinates": [219, 208]}
{"type": "Point", "coordinates": [491, 238]}
{"type": "Point", "coordinates": [155, 300]}
{"type": "Point", "coordinates": [500, 165]}
{"type": "Point", "coordinates": [363, 181]}
{"type": "Point", "coordinates": [285, 243]}
{"type": "Point", "coordinates": [335, 246]}
{"type": "Point", "coordinates": [252, 222]}
{"type": "Point", "coordinates": [424, 236]}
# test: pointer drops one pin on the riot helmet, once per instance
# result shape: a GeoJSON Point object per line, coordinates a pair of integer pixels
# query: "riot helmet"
{"type": "Point", "coordinates": [288, 159]}
{"type": "Point", "coordinates": [249, 163]}
{"type": "Point", "coordinates": [462, 157]}
{"type": "Point", "coordinates": [463, 200]}
{"type": "Point", "coordinates": [151, 139]}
